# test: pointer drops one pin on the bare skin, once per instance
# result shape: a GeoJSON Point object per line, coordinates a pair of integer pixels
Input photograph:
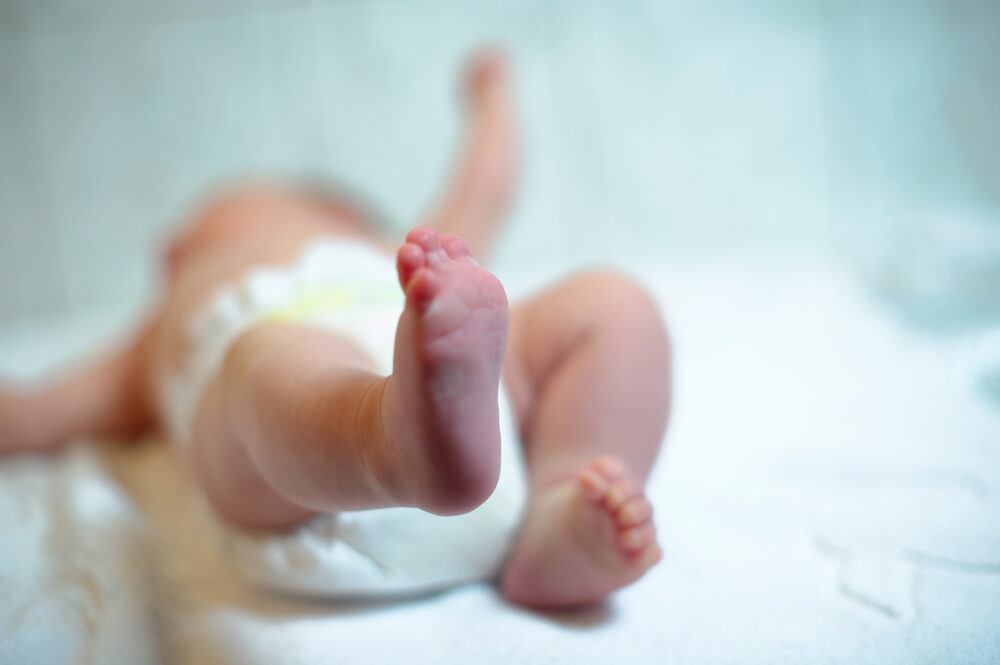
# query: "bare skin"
{"type": "Point", "coordinates": [297, 422]}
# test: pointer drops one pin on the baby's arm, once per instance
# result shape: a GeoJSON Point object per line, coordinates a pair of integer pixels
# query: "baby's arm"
{"type": "Point", "coordinates": [477, 196]}
{"type": "Point", "coordinates": [108, 397]}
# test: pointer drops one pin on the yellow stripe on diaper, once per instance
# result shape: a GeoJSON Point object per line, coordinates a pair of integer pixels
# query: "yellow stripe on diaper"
{"type": "Point", "coordinates": [319, 300]}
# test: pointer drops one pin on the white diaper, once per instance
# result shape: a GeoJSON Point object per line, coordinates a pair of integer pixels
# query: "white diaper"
{"type": "Point", "coordinates": [350, 288]}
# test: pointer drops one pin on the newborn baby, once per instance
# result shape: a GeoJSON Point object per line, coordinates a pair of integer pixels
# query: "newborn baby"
{"type": "Point", "coordinates": [282, 415]}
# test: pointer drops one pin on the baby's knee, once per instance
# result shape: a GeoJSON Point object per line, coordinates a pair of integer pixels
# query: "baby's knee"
{"type": "Point", "coordinates": [629, 316]}
{"type": "Point", "coordinates": [624, 301]}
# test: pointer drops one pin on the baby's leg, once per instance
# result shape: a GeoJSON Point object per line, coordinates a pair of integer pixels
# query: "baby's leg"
{"type": "Point", "coordinates": [588, 370]}
{"type": "Point", "coordinates": [297, 423]}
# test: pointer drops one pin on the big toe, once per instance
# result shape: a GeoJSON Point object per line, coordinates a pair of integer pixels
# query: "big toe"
{"type": "Point", "coordinates": [427, 239]}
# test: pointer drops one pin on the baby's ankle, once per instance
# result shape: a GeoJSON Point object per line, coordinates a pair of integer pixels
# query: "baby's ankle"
{"type": "Point", "coordinates": [408, 473]}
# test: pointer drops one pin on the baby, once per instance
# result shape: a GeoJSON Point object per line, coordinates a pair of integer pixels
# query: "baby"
{"type": "Point", "coordinates": [297, 419]}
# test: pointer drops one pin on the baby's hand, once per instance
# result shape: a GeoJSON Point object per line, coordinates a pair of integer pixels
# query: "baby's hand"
{"type": "Point", "coordinates": [16, 426]}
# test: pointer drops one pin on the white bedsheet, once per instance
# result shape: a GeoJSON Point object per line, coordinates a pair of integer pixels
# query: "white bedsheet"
{"type": "Point", "coordinates": [830, 493]}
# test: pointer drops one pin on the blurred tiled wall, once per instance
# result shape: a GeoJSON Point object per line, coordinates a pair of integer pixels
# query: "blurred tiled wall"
{"type": "Point", "coordinates": [648, 126]}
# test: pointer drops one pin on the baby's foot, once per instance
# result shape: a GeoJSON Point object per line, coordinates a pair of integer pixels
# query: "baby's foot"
{"type": "Point", "coordinates": [582, 539]}
{"type": "Point", "coordinates": [440, 405]}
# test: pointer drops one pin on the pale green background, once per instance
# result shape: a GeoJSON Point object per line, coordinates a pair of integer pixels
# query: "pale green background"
{"type": "Point", "coordinates": [868, 130]}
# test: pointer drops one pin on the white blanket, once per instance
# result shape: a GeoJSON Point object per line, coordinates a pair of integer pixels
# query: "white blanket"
{"type": "Point", "coordinates": [830, 493]}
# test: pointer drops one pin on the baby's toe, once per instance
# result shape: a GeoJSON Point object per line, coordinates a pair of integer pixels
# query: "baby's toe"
{"type": "Point", "coordinates": [648, 556]}
{"type": "Point", "coordinates": [610, 467]}
{"type": "Point", "coordinates": [619, 492]}
{"type": "Point", "coordinates": [637, 537]}
{"type": "Point", "coordinates": [422, 289]}
{"type": "Point", "coordinates": [409, 259]}
{"type": "Point", "coordinates": [634, 511]}
{"type": "Point", "coordinates": [427, 238]}
{"type": "Point", "coordinates": [592, 483]}
{"type": "Point", "coordinates": [456, 248]}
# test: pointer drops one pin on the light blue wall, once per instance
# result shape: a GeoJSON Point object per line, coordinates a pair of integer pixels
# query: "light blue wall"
{"type": "Point", "coordinates": [865, 128]}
